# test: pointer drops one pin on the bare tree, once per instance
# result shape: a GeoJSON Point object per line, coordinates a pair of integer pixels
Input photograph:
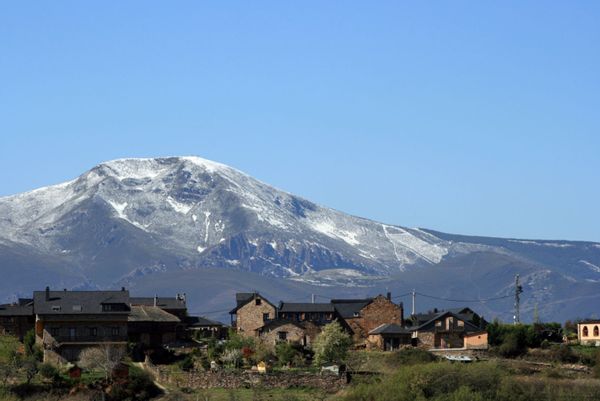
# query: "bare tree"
{"type": "Point", "coordinates": [104, 357]}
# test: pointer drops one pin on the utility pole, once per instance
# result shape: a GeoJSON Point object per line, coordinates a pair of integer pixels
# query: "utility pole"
{"type": "Point", "coordinates": [414, 297]}
{"type": "Point", "coordinates": [518, 291]}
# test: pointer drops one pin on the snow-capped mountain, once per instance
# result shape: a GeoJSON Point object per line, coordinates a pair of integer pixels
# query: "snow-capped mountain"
{"type": "Point", "coordinates": [126, 220]}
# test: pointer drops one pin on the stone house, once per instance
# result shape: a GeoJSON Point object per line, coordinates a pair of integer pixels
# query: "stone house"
{"type": "Point", "coordinates": [588, 332]}
{"type": "Point", "coordinates": [67, 322]}
{"type": "Point", "coordinates": [252, 312]}
{"type": "Point", "coordinates": [17, 318]}
{"type": "Point", "coordinates": [152, 326]}
{"type": "Point", "coordinates": [389, 337]}
{"type": "Point", "coordinates": [279, 330]}
{"type": "Point", "coordinates": [448, 330]}
{"type": "Point", "coordinates": [360, 316]}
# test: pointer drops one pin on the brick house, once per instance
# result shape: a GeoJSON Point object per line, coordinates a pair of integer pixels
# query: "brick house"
{"type": "Point", "coordinates": [361, 316]}
{"type": "Point", "coordinates": [67, 322]}
{"type": "Point", "coordinates": [588, 332]}
{"type": "Point", "coordinates": [448, 330]}
{"type": "Point", "coordinates": [252, 312]}
{"type": "Point", "coordinates": [17, 318]}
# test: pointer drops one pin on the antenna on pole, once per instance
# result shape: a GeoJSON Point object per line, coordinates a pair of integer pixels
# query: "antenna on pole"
{"type": "Point", "coordinates": [518, 291]}
{"type": "Point", "coordinates": [414, 296]}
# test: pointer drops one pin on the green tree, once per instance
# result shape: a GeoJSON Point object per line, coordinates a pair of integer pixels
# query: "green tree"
{"type": "Point", "coordinates": [331, 345]}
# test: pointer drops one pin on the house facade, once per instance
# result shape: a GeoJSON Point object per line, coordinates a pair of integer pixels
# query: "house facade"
{"type": "Point", "coordinates": [588, 332]}
{"type": "Point", "coordinates": [280, 330]}
{"type": "Point", "coordinates": [17, 318]}
{"type": "Point", "coordinates": [152, 326]}
{"type": "Point", "coordinates": [67, 322]}
{"type": "Point", "coordinates": [448, 330]}
{"type": "Point", "coordinates": [251, 313]}
{"type": "Point", "coordinates": [361, 316]}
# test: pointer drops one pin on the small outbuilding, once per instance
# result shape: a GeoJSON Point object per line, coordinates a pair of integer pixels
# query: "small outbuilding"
{"type": "Point", "coordinates": [389, 337]}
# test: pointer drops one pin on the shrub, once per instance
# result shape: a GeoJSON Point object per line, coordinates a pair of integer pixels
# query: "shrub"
{"type": "Point", "coordinates": [186, 363]}
{"type": "Point", "coordinates": [410, 356]}
{"type": "Point", "coordinates": [512, 346]}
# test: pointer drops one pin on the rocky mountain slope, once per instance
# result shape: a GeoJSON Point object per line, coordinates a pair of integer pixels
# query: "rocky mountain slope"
{"type": "Point", "coordinates": [129, 221]}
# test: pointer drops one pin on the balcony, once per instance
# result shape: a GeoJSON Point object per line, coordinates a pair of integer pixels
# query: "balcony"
{"type": "Point", "coordinates": [84, 339]}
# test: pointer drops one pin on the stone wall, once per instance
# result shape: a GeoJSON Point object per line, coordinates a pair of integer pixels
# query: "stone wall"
{"type": "Point", "coordinates": [328, 382]}
{"type": "Point", "coordinates": [294, 334]}
{"type": "Point", "coordinates": [380, 311]}
{"type": "Point", "coordinates": [250, 316]}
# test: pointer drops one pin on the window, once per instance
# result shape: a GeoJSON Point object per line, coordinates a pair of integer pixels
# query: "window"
{"type": "Point", "coordinates": [265, 317]}
{"type": "Point", "coordinates": [77, 308]}
{"type": "Point", "coordinates": [56, 308]}
{"type": "Point", "coordinates": [93, 331]}
{"type": "Point", "coordinates": [596, 331]}
{"type": "Point", "coordinates": [114, 331]}
{"type": "Point", "coordinates": [356, 314]}
{"type": "Point", "coordinates": [585, 331]}
{"type": "Point", "coordinates": [282, 335]}
{"type": "Point", "coordinates": [54, 331]}
{"type": "Point", "coordinates": [72, 332]}
{"type": "Point", "coordinates": [258, 301]}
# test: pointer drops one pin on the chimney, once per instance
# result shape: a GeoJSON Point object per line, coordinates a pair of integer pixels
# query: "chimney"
{"type": "Point", "coordinates": [313, 298]}
{"type": "Point", "coordinates": [123, 289]}
{"type": "Point", "coordinates": [389, 296]}
{"type": "Point", "coordinates": [47, 293]}
{"type": "Point", "coordinates": [155, 300]}
{"type": "Point", "coordinates": [64, 289]}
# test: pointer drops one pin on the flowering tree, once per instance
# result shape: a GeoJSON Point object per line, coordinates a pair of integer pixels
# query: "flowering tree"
{"type": "Point", "coordinates": [331, 345]}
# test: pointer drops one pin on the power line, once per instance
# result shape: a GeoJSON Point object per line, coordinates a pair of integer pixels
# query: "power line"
{"type": "Point", "coordinates": [464, 300]}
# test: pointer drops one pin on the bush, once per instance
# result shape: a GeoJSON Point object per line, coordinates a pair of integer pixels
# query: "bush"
{"type": "Point", "coordinates": [331, 345]}
{"type": "Point", "coordinates": [410, 356]}
{"type": "Point", "coordinates": [513, 345]}
{"type": "Point", "coordinates": [186, 363]}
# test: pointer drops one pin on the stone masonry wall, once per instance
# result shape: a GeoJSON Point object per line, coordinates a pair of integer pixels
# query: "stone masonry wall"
{"type": "Point", "coordinates": [250, 316]}
{"type": "Point", "coordinates": [246, 379]}
{"type": "Point", "coordinates": [378, 312]}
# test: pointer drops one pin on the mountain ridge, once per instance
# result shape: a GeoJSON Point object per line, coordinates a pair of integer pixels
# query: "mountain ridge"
{"type": "Point", "coordinates": [134, 217]}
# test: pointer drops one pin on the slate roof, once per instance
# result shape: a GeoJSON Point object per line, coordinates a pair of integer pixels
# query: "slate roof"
{"type": "Point", "coordinates": [390, 328]}
{"type": "Point", "coordinates": [242, 298]}
{"type": "Point", "coordinates": [469, 327]}
{"type": "Point", "coordinates": [295, 307]}
{"type": "Point", "coordinates": [163, 302]}
{"type": "Point", "coordinates": [154, 314]}
{"type": "Point", "coordinates": [199, 321]}
{"type": "Point", "coordinates": [346, 308]}
{"type": "Point", "coordinates": [273, 324]}
{"type": "Point", "coordinates": [79, 302]}
{"type": "Point", "coordinates": [16, 309]}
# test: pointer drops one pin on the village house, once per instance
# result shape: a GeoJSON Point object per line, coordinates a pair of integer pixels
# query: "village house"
{"type": "Point", "coordinates": [17, 318]}
{"type": "Point", "coordinates": [280, 330]}
{"type": "Point", "coordinates": [389, 337]}
{"type": "Point", "coordinates": [361, 316]}
{"type": "Point", "coordinates": [176, 306]}
{"type": "Point", "coordinates": [588, 332]}
{"type": "Point", "coordinates": [449, 330]}
{"type": "Point", "coordinates": [67, 322]}
{"type": "Point", "coordinates": [252, 312]}
{"type": "Point", "coordinates": [152, 326]}
{"type": "Point", "coordinates": [198, 326]}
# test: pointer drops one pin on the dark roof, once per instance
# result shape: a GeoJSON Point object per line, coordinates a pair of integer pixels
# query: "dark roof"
{"type": "Point", "coordinates": [469, 327]}
{"type": "Point", "coordinates": [79, 302]}
{"type": "Point", "coordinates": [273, 324]}
{"type": "Point", "coordinates": [143, 313]}
{"type": "Point", "coordinates": [589, 321]}
{"type": "Point", "coordinates": [390, 328]}
{"type": "Point", "coordinates": [294, 307]}
{"type": "Point", "coordinates": [199, 321]}
{"type": "Point", "coordinates": [16, 310]}
{"type": "Point", "coordinates": [242, 298]}
{"type": "Point", "coordinates": [162, 302]}
{"type": "Point", "coordinates": [347, 308]}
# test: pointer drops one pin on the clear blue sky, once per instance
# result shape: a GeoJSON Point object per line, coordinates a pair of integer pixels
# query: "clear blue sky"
{"type": "Point", "coordinates": [464, 117]}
